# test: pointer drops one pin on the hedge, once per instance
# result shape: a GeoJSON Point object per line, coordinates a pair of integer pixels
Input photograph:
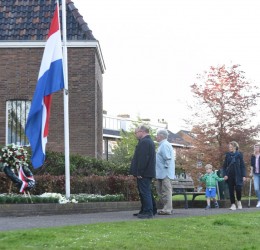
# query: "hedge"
{"type": "Point", "coordinates": [93, 184]}
{"type": "Point", "coordinates": [79, 165]}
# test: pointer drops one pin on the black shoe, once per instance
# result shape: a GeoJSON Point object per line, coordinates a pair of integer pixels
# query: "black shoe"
{"type": "Point", "coordinates": [136, 214]}
{"type": "Point", "coordinates": [145, 216]}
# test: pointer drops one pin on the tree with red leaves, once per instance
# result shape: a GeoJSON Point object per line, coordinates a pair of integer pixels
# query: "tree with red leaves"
{"type": "Point", "coordinates": [225, 106]}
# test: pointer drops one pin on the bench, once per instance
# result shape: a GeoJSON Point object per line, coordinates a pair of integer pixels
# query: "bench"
{"type": "Point", "coordinates": [185, 187]}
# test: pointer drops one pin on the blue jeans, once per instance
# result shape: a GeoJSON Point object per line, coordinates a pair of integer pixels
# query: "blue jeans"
{"type": "Point", "coordinates": [257, 185]}
{"type": "Point", "coordinates": [144, 188]}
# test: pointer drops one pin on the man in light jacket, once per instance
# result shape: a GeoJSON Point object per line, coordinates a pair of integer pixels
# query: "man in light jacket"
{"type": "Point", "coordinates": [165, 171]}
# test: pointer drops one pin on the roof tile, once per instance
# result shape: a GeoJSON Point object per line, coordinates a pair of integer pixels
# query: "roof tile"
{"type": "Point", "coordinates": [30, 20]}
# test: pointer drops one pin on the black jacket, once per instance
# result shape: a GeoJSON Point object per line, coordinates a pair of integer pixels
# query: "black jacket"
{"type": "Point", "coordinates": [234, 163]}
{"type": "Point", "coordinates": [253, 163]}
{"type": "Point", "coordinates": [143, 162]}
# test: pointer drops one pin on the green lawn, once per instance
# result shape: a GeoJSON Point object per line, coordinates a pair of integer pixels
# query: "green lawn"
{"type": "Point", "coordinates": [189, 197]}
{"type": "Point", "coordinates": [230, 231]}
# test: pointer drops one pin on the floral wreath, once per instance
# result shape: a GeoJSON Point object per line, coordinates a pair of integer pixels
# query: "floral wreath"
{"type": "Point", "coordinates": [14, 156]}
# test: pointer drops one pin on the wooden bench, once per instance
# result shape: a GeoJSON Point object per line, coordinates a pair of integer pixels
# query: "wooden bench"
{"type": "Point", "coordinates": [185, 187]}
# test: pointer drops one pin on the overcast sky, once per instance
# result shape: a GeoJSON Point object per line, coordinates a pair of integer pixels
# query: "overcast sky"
{"type": "Point", "coordinates": [153, 50]}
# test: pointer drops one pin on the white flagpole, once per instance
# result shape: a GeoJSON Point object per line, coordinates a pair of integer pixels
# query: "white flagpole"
{"type": "Point", "coordinates": [66, 101]}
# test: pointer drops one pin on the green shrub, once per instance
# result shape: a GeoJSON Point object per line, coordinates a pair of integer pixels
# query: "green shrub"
{"type": "Point", "coordinates": [102, 185]}
{"type": "Point", "coordinates": [2, 199]}
{"type": "Point", "coordinates": [79, 198]}
{"type": "Point", "coordinates": [79, 165]}
{"type": "Point", "coordinates": [95, 198]}
{"type": "Point", "coordinates": [88, 175]}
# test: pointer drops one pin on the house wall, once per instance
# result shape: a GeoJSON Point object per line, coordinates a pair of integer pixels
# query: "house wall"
{"type": "Point", "coordinates": [99, 108]}
{"type": "Point", "coordinates": [19, 68]}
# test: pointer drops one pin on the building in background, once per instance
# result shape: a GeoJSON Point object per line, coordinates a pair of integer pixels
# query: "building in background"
{"type": "Point", "coordinates": [113, 125]}
{"type": "Point", "coordinates": [24, 27]}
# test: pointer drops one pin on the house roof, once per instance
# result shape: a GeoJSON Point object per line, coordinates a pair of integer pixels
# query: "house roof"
{"type": "Point", "coordinates": [30, 20]}
{"type": "Point", "coordinates": [186, 132]}
{"type": "Point", "coordinates": [176, 139]}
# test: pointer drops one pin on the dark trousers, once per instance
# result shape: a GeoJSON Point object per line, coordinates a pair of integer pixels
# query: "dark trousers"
{"type": "Point", "coordinates": [146, 197]}
{"type": "Point", "coordinates": [234, 188]}
{"type": "Point", "coordinates": [154, 204]}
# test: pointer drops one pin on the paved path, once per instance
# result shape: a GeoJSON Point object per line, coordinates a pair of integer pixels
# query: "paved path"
{"type": "Point", "coordinates": [14, 223]}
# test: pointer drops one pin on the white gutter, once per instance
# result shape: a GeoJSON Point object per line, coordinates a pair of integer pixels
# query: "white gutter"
{"type": "Point", "coordinates": [180, 145]}
{"type": "Point", "coordinates": [70, 44]}
{"type": "Point", "coordinates": [112, 136]}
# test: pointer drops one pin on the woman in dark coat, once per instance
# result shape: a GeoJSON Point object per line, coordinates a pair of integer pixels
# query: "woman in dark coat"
{"type": "Point", "coordinates": [234, 173]}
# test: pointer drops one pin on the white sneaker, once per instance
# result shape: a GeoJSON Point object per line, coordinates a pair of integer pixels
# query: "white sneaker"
{"type": "Point", "coordinates": [233, 207]}
{"type": "Point", "coordinates": [258, 204]}
{"type": "Point", "coordinates": [239, 205]}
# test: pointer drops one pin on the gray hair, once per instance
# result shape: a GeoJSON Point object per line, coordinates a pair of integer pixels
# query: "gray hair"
{"type": "Point", "coordinates": [163, 132]}
{"type": "Point", "coordinates": [144, 128]}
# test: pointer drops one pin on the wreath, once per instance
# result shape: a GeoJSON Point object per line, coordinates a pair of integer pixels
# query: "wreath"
{"type": "Point", "coordinates": [13, 155]}
{"type": "Point", "coordinates": [15, 158]}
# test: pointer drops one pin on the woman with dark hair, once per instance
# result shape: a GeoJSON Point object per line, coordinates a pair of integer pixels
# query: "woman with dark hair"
{"type": "Point", "coordinates": [255, 171]}
{"type": "Point", "coordinates": [234, 173]}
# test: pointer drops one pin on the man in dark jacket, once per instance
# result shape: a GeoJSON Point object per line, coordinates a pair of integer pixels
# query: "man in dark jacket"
{"type": "Point", "coordinates": [143, 168]}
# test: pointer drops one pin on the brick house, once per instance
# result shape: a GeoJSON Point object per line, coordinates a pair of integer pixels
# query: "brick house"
{"type": "Point", "coordinates": [24, 27]}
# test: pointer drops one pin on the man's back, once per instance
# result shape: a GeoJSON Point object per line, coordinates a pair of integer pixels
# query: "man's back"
{"type": "Point", "coordinates": [143, 162]}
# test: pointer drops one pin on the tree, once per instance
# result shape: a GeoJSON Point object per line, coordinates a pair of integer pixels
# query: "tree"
{"type": "Point", "coordinates": [124, 151]}
{"type": "Point", "coordinates": [225, 103]}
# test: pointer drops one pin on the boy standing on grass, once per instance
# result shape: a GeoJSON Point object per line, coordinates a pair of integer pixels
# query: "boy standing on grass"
{"type": "Point", "coordinates": [211, 178]}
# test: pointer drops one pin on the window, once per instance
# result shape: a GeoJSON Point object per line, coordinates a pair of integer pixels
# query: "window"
{"type": "Point", "coordinates": [111, 123]}
{"type": "Point", "coordinates": [17, 112]}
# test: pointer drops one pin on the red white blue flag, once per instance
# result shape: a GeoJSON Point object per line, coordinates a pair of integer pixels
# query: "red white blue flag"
{"type": "Point", "coordinates": [25, 180]}
{"type": "Point", "coordinates": [50, 80]}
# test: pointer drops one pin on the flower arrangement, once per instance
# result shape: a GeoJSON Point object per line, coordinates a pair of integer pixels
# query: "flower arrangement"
{"type": "Point", "coordinates": [96, 197]}
{"type": "Point", "coordinates": [58, 198]}
{"type": "Point", "coordinates": [61, 198]}
{"type": "Point", "coordinates": [81, 198]}
{"type": "Point", "coordinates": [13, 156]}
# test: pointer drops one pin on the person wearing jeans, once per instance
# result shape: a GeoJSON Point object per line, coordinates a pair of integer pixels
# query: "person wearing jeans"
{"type": "Point", "coordinates": [255, 171]}
{"type": "Point", "coordinates": [153, 201]}
{"type": "Point", "coordinates": [143, 168]}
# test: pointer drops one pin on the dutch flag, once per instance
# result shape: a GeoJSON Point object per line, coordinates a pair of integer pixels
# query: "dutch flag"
{"type": "Point", "coordinates": [50, 80]}
{"type": "Point", "coordinates": [25, 179]}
